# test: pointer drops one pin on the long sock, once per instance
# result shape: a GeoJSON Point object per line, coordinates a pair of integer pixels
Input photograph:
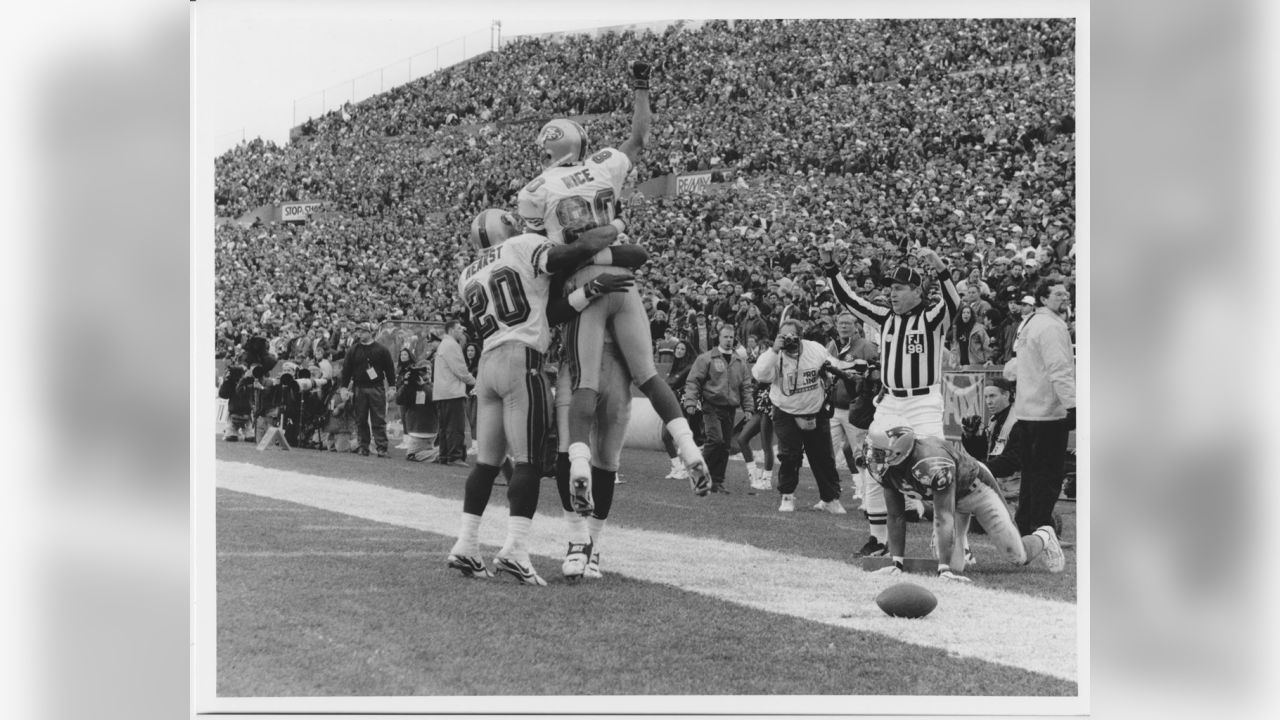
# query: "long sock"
{"type": "Point", "coordinates": [516, 546]}
{"type": "Point", "coordinates": [595, 526]}
{"type": "Point", "coordinates": [582, 411]}
{"type": "Point", "coordinates": [522, 494]}
{"type": "Point", "coordinates": [578, 531]}
{"type": "Point", "coordinates": [663, 399]}
{"type": "Point", "coordinates": [602, 491]}
{"type": "Point", "coordinates": [562, 480]}
{"type": "Point", "coordinates": [478, 488]}
{"type": "Point", "coordinates": [879, 523]}
{"type": "Point", "coordinates": [468, 536]}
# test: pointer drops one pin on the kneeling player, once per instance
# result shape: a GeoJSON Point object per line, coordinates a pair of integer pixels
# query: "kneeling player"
{"type": "Point", "coordinates": [961, 488]}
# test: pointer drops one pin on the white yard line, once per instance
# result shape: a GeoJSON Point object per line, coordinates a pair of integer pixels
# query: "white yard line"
{"type": "Point", "coordinates": [993, 625]}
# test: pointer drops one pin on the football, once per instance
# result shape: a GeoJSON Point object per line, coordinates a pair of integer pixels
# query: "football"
{"type": "Point", "coordinates": [906, 600]}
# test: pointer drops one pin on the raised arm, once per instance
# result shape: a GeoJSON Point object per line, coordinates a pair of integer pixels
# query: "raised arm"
{"type": "Point", "coordinates": [862, 309]}
{"type": "Point", "coordinates": [641, 115]}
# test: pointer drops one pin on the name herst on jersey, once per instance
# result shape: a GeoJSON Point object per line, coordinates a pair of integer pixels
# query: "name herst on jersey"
{"type": "Point", "coordinates": [506, 291]}
{"type": "Point", "coordinates": [575, 196]}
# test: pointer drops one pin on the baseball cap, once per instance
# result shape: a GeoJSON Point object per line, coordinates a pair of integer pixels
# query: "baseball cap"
{"type": "Point", "coordinates": [905, 276]}
{"type": "Point", "coordinates": [1028, 300]}
{"type": "Point", "coordinates": [1011, 246]}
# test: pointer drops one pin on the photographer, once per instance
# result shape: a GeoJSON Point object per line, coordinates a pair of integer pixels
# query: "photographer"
{"type": "Point", "coordinates": [801, 415]}
{"type": "Point", "coordinates": [419, 413]}
{"type": "Point", "coordinates": [239, 396]}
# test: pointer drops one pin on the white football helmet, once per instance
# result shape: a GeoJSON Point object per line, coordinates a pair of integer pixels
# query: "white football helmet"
{"type": "Point", "coordinates": [886, 448]}
{"type": "Point", "coordinates": [562, 142]}
{"type": "Point", "coordinates": [492, 227]}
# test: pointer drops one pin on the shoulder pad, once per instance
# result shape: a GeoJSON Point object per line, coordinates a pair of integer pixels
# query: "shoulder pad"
{"type": "Point", "coordinates": [537, 183]}
{"type": "Point", "coordinates": [602, 155]}
{"type": "Point", "coordinates": [935, 472]}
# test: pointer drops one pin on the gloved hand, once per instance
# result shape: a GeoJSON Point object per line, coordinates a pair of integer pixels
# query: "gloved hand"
{"type": "Point", "coordinates": [640, 71]}
{"type": "Point", "coordinates": [971, 426]}
{"type": "Point", "coordinates": [606, 283]}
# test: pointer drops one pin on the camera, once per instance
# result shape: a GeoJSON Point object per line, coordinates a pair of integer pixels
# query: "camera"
{"type": "Point", "coordinates": [790, 343]}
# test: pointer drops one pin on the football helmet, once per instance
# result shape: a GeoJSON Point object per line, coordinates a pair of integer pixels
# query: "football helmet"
{"type": "Point", "coordinates": [492, 227]}
{"type": "Point", "coordinates": [562, 142]}
{"type": "Point", "coordinates": [886, 448]}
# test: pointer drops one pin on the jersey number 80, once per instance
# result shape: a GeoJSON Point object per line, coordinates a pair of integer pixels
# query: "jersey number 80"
{"type": "Point", "coordinates": [576, 214]}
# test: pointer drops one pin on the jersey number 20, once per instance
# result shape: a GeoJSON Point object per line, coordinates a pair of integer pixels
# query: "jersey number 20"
{"type": "Point", "coordinates": [511, 307]}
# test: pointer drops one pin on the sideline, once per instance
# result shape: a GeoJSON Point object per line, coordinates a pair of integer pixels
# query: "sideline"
{"type": "Point", "coordinates": [993, 625]}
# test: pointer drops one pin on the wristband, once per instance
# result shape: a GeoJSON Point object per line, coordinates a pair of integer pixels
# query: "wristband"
{"type": "Point", "coordinates": [619, 224]}
{"type": "Point", "coordinates": [604, 257]}
{"type": "Point", "coordinates": [578, 299]}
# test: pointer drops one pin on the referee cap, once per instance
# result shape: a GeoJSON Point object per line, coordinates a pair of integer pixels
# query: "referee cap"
{"type": "Point", "coordinates": [906, 276]}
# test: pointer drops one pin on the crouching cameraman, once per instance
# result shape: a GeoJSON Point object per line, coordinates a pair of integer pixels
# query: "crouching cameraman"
{"type": "Point", "coordinates": [419, 413]}
{"type": "Point", "coordinates": [794, 368]}
{"type": "Point", "coordinates": [237, 390]}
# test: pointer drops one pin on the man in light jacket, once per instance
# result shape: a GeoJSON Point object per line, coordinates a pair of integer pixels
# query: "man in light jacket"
{"type": "Point", "coordinates": [449, 391]}
{"type": "Point", "coordinates": [1045, 405]}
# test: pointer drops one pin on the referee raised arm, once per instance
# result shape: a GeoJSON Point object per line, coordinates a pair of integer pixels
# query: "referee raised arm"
{"type": "Point", "coordinates": [911, 336]}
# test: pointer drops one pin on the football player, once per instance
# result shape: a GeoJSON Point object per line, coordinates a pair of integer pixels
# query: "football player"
{"type": "Point", "coordinates": [506, 291]}
{"type": "Point", "coordinates": [920, 467]}
{"type": "Point", "coordinates": [573, 193]}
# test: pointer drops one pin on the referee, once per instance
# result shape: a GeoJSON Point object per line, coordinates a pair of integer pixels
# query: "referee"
{"type": "Point", "coordinates": [911, 336]}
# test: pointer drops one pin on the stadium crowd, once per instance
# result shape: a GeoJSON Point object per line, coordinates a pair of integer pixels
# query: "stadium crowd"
{"type": "Point", "coordinates": [955, 134]}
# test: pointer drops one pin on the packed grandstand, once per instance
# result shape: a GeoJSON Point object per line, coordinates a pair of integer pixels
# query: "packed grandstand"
{"type": "Point", "coordinates": [769, 137]}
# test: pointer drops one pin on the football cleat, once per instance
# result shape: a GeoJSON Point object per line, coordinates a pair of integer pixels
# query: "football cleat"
{"type": "Point", "coordinates": [593, 567]}
{"type": "Point", "coordinates": [834, 507]}
{"type": "Point", "coordinates": [788, 504]}
{"type": "Point", "coordinates": [522, 572]}
{"type": "Point", "coordinates": [471, 566]}
{"type": "Point", "coordinates": [873, 548]}
{"type": "Point", "coordinates": [575, 561]}
{"type": "Point", "coordinates": [969, 559]}
{"type": "Point", "coordinates": [562, 142]}
{"type": "Point", "coordinates": [1054, 560]}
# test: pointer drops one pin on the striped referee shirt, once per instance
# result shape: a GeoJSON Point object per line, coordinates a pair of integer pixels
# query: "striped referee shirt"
{"type": "Point", "coordinates": [910, 344]}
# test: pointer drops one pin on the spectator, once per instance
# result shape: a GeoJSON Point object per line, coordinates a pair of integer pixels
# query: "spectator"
{"type": "Point", "coordinates": [450, 387]}
{"type": "Point", "coordinates": [997, 441]}
{"type": "Point", "coordinates": [368, 368]}
{"type": "Point", "coordinates": [1045, 405]}
{"type": "Point", "coordinates": [239, 396]}
{"type": "Point", "coordinates": [677, 375]}
{"type": "Point", "coordinates": [720, 383]}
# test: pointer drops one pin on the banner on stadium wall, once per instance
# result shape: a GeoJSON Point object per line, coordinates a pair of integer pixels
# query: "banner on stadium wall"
{"type": "Point", "coordinates": [297, 212]}
{"type": "Point", "coordinates": [695, 182]}
{"type": "Point", "coordinates": [962, 397]}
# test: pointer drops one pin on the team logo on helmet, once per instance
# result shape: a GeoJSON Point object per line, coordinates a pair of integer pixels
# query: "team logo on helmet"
{"type": "Point", "coordinates": [492, 227]}
{"type": "Point", "coordinates": [936, 473]}
{"type": "Point", "coordinates": [886, 448]}
{"type": "Point", "coordinates": [563, 142]}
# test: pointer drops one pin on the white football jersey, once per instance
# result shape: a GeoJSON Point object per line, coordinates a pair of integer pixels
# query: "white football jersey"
{"type": "Point", "coordinates": [506, 291]}
{"type": "Point", "coordinates": [575, 196]}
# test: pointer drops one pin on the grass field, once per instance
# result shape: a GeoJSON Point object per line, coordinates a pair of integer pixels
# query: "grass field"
{"type": "Point", "coordinates": [331, 582]}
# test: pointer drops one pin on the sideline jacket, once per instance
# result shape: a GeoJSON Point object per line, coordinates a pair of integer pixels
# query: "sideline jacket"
{"type": "Point", "coordinates": [1045, 367]}
{"type": "Point", "coordinates": [715, 380]}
